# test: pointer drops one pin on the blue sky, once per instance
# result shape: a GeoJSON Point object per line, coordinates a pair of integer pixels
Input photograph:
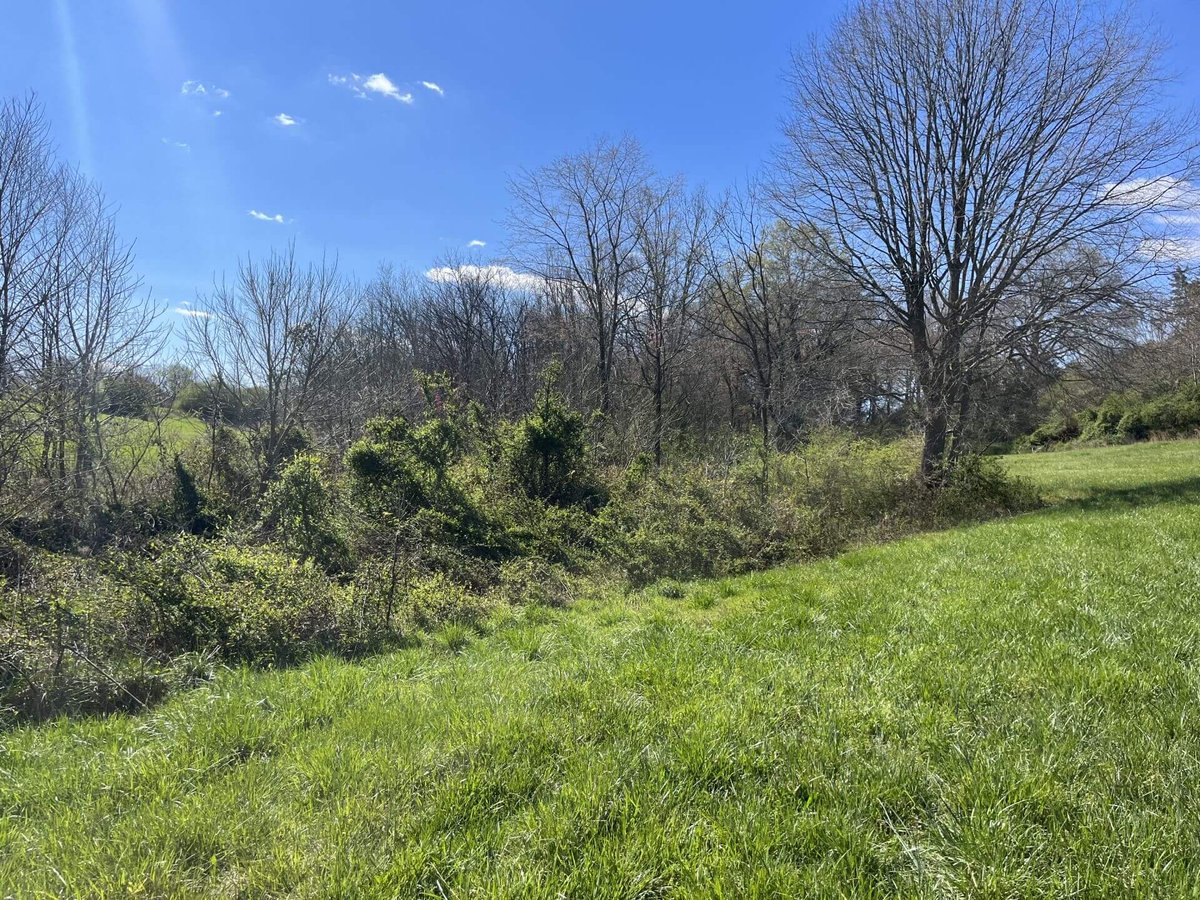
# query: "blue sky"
{"type": "Point", "coordinates": [173, 106]}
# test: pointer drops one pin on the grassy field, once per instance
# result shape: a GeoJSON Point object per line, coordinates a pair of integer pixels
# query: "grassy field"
{"type": "Point", "coordinates": [1007, 710]}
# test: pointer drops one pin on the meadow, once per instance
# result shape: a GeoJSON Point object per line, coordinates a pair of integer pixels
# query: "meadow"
{"type": "Point", "coordinates": [998, 710]}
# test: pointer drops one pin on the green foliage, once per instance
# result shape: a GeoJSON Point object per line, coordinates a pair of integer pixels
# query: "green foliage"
{"type": "Point", "coordinates": [188, 506]}
{"type": "Point", "coordinates": [401, 472]}
{"type": "Point", "coordinates": [435, 600]}
{"type": "Point", "coordinates": [1123, 416]}
{"type": "Point", "coordinates": [546, 452]}
{"type": "Point", "coordinates": [129, 394]}
{"type": "Point", "coordinates": [816, 500]}
{"type": "Point", "coordinates": [1058, 430]}
{"type": "Point", "coordinates": [214, 402]}
{"type": "Point", "coordinates": [300, 510]}
{"type": "Point", "coordinates": [532, 580]}
{"type": "Point", "coordinates": [1004, 710]}
{"type": "Point", "coordinates": [401, 544]}
{"type": "Point", "coordinates": [980, 487]}
{"type": "Point", "coordinates": [247, 604]}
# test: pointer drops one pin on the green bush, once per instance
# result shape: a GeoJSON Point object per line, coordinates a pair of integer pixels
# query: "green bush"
{"type": "Point", "coordinates": [1058, 430]}
{"type": "Point", "coordinates": [403, 473]}
{"type": "Point", "coordinates": [980, 488]}
{"type": "Point", "coordinates": [1174, 413]}
{"type": "Point", "coordinates": [672, 524]}
{"type": "Point", "coordinates": [1123, 416]}
{"type": "Point", "coordinates": [189, 508]}
{"type": "Point", "coordinates": [300, 511]}
{"type": "Point", "coordinates": [546, 453]}
{"type": "Point", "coordinates": [1104, 423]}
{"type": "Point", "coordinates": [247, 604]}
{"type": "Point", "coordinates": [435, 600]}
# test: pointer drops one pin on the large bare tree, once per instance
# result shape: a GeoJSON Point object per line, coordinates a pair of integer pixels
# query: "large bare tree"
{"type": "Point", "coordinates": [577, 223]}
{"type": "Point", "coordinates": [956, 153]}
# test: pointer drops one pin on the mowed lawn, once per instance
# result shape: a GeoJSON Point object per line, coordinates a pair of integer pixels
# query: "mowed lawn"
{"type": "Point", "coordinates": [1007, 710]}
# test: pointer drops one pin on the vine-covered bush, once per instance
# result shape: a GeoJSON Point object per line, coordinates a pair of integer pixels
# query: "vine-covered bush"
{"type": "Point", "coordinates": [430, 525]}
{"type": "Point", "coordinates": [1123, 416]}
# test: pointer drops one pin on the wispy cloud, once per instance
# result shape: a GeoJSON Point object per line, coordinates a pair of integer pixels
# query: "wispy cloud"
{"type": "Point", "coordinates": [185, 309]}
{"type": "Point", "coordinates": [378, 83]}
{"type": "Point", "coordinates": [200, 89]}
{"type": "Point", "coordinates": [501, 275]}
{"type": "Point", "coordinates": [178, 145]}
{"type": "Point", "coordinates": [1182, 250]}
{"type": "Point", "coordinates": [476, 243]}
{"type": "Point", "coordinates": [286, 121]}
{"type": "Point", "coordinates": [1173, 204]}
{"type": "Point", "coordinates": [433, 87]}
{"type": "Point", "coordinates": [267, 217]}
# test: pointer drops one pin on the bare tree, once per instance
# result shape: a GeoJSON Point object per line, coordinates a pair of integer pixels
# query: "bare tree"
{"type": "Point", "coordinates": [776, 300]}
{"type": "Point", "coordinates": [952, 151]}
{"type": "Point", "coordinates": [576, 222]}
{"type": "Point", "coordinates": [32, 233]}
{"type": "Point", "coordinates": [469, 319]}
{"type": "Point", "coordinates": [673, 234]}
{"type": "Point", "coordinates": [273, 341]}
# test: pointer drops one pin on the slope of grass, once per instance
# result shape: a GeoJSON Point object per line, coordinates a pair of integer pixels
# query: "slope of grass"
{"type": "Point", "coordinates": [1007, 710]}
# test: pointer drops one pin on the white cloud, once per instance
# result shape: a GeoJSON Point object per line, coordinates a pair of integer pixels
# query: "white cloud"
{"type": "Point", "coordinates": [1173, 250]}
{"type": "Point", "coordinates": [286, 121]}
{"type": "Point", "coordinates": [217, 113]}
{"type": "Point", "coordinates": [200, 89]}
{"type": "Point", "coordinates": [1164, 192]}
{"type": "Point", "coordinates": [347, 81]}
{"type": "Point", "coordinates": [476, 243]}
{"type": "Point", "coordinates": [381, 84]}
{"type": "Point", "coordinates": [1173, 204]}
{"type": "Point", "coordinates": [433, 87]}
{"type": "Point", "coordinates": [266, 217]}
{"type": "Point", "coordinates": [372, 84]}
{"type": "Point", "coordinates": [185, 309]}
{"type": "Point", "coordinates": [501, 274]}
{"type": "Point", "coordinates": [178, 145]}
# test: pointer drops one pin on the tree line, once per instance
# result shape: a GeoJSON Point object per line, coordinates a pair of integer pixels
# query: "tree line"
{"type": "Point", "coordinates": [970, 202]}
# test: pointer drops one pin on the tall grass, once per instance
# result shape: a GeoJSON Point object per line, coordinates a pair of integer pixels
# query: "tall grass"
{"type": "Point", "coordinates": [1004, 710]}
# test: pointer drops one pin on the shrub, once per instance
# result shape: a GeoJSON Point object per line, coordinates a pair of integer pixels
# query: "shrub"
{"type": "Point", "coordinates": [401, 473]}
{"type": "Point", "coordinates": [435, 600]}
{"type": "Point", "coordinates": [1057, 430]}
{"type": "Point", "coordinates": [188, 505]}
{"type": "Point", "coordinates": [546, 452]}
{"type": "Point", "coordinates": [299, 509]}
{"type": "Point", "coordinates": [246, 604]}
{"type": "Point", "coordinates": [530, 580]}
{"type": "Point", "coordinates": [129, 394]}
{"type": "Point", "coordinates": [980, 488]}
{"type": "Point", "coordinates": [671, 524]}
{"type": "Point", "coordinates": [1104, 422]}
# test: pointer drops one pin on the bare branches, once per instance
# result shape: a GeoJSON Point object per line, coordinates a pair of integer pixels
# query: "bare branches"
{"type": "Point", "coordinates": [272, 341]}
{"type": "Point", "coordinates": [952, 153]}
{"type": "Point", "coordinates": [577, 222]}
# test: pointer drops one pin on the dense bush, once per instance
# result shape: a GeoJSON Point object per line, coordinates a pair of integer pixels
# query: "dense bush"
{"type": "Point", "coordinates": [300, 510]}
{"type": "Point", "coordinates": [1123, 416]}
{"type": "Point", "coordinates": [430, 525]}
{"type": "Point", "coordinates": [547, 455]}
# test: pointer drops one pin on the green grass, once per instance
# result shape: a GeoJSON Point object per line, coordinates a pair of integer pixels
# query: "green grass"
{"type": "Point", "coordinates": [1007, 710]}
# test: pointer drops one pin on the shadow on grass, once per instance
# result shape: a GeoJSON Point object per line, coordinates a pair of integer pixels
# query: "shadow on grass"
{"type": "Point", "coordinates": [1180, 490]}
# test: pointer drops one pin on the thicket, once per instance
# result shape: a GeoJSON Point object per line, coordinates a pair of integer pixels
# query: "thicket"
{"type": "Point", "coordinates": [1122, 417]}
{"type": "Point", "coordinates": [420, 530]}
